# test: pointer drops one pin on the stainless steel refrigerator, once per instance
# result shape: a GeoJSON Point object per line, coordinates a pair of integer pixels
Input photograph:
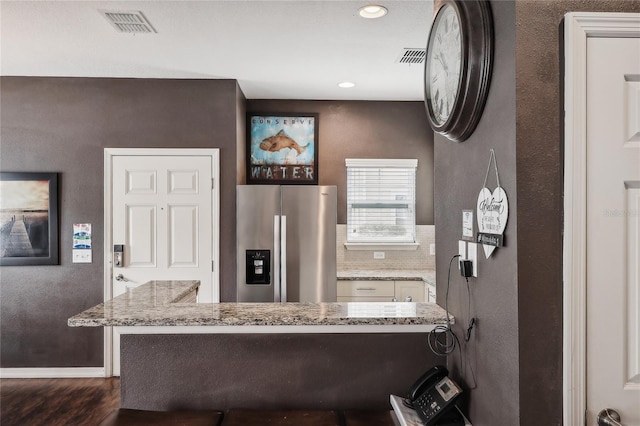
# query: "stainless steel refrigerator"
{"type": "Point", "coordinates": [286, 243]}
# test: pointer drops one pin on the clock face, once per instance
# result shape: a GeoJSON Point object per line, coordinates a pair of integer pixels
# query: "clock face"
{"type": "Point", "coordinates": [444, 71]}
{"type": "Point", "coordinates": [457, 72]}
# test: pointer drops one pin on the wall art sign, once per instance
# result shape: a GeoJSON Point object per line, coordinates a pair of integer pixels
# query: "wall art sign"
{"type": "Point", "coordinates": [81, 252]}
{"type": "Point", "coordinates": [81, 235]}
{"type": "Point", "coordinates": [28, 219]}
{"type": "Point", "coordinates": [492, 213]}
{"type": "Point", "coordinates": [490, 239]}
{"type": "Point", "coordinates": [282, 148]}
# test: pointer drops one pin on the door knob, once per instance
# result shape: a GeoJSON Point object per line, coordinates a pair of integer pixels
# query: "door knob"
{"type": "Point", "coordinates": [121, 277]}
{"type": "Point", "coordinates": [609, 417]}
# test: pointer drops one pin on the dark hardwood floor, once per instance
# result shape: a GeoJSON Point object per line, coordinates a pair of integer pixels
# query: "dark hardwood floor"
{"type": "Point", "coordinates": [53, 402]}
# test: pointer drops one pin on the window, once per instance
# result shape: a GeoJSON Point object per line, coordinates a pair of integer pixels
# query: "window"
{"type": "Point", "coordinates": [381, 201]}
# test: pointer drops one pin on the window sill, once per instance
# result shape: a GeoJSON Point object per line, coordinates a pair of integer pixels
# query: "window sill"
{"type": "Point", "coordinates": [382, 246]}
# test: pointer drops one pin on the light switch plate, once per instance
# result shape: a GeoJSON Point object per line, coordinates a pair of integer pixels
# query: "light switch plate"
{"type": "Point", "coordinates": [462, 251]}
{"type": "Point", "coordinates": [472, 255]}
{"type": "Point", "coordinates": [81, 256]}
{"type": "Point", "coordinates": [432, 249]}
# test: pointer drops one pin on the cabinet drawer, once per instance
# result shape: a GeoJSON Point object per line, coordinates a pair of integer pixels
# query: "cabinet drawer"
{"type": "Point", "coordinates": [364, 299]}
{"type": "Point", "coordinates": [366, 289]}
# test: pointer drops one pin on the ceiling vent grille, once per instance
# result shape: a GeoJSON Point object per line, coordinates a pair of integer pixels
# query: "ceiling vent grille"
{"type": "Point", "coordinates": [128, 21]}
{"type": "Point", "coordinates": [411, 56]}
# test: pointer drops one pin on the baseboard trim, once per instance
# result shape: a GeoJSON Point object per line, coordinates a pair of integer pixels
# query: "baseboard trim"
{"type": "Point", "coordinates": [51, 373]}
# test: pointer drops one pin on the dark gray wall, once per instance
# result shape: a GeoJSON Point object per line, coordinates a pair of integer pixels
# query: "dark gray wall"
{"type": "Point", "coordinates": [270, 371]}
{"type": "Point", "coordinates": [460, 169]}
{"type": "Point", "coordinates": [365, 129]}
{"type": "Point", "coordinates": [62, 125]}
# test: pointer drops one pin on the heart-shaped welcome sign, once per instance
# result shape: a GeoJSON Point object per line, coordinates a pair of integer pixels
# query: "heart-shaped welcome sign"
{"type": "Point", "coordinates": [493, 212]}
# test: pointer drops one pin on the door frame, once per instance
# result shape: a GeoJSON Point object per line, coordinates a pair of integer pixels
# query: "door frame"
{"type": "Point", "coordinates": [109, 154]}
{"type": "Point", "coordinates": [578, 26]}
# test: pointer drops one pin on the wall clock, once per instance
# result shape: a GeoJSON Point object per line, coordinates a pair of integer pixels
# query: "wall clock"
{"type": "Point", "coordinates": [457, 71]}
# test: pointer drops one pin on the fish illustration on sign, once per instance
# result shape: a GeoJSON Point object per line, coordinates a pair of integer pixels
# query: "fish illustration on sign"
{"type": "Point", "coordinates": [280, 141]}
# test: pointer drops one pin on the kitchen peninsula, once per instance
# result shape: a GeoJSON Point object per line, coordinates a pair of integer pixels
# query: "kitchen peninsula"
{"type": "Point", "coordinates": [185, 355]}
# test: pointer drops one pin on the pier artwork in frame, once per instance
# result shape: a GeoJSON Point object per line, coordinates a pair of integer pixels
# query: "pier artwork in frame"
{"type": "Point", "coordinates": [28, 219]}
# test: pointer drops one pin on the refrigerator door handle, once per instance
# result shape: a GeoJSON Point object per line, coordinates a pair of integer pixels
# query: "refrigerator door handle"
{"type": "Point", "coordinates": [276, 258]}
{"type": "Point", "coordinates": [283, 259]}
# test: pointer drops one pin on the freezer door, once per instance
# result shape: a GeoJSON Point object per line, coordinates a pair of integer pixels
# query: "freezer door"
{"type": "Point", "coordinates": [258, 213]}
{"type": "Point", "coordinates": [310, 215]}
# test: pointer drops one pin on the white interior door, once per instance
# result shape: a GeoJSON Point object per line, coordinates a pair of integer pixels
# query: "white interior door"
{"type": "Point", "coordinates": [613, 228]}
{"type": "Point", "coordinates": [162, 213]}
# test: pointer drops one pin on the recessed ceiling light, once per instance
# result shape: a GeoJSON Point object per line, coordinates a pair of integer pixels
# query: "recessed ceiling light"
{"type": "Point", "coordinates": [372, 11]}
{"type": "Point", "coordinates": [346, 84]}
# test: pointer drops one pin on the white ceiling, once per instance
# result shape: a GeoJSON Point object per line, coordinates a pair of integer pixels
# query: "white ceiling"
{"type": "Point", "coordinates": [275, 49]}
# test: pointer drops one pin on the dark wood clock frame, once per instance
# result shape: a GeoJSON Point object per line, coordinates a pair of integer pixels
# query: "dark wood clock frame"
{"type": "Point", "coordinates": [476, 29]}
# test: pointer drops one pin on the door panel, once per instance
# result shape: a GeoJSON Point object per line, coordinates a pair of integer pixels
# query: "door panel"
{"type": "Point", "coordinates": [633, 276]}
{"type": "Point", "coordinates": [140, 182]}
{"type": "Point", "coordinates": [183, 182]}
{"type": "Point", "coordinates": [632, 92]}
{"type": "Point", "coordinates": [613, 171]}
{"type": "Point", "coordinates": [140, 240]}
{"type": "Point", "coordinates": [183, 236]}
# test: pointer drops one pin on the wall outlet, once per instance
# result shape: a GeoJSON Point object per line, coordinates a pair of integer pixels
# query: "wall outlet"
{"type": "Point", "coordinates": [81, 256]}
{"type": "Point", "coordinates": [432, 249]}
{"type": "Point", "coordinates": [378, 255]}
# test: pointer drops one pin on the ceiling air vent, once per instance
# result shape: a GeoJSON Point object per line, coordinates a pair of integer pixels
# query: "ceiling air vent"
{"type": "Point", "coordinates": [411, 56]}
{"type": "Point", "coordinates": [128, 21]}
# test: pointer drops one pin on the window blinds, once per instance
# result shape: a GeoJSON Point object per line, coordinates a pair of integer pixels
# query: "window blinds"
{"type": "Point", "coordinates": [381, 200]}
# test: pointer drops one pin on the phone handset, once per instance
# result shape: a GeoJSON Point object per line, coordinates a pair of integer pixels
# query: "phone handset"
{"type": "Point", "coordinates": [427, 380]}
{"type": "Point", "coordinates": [434, 394]}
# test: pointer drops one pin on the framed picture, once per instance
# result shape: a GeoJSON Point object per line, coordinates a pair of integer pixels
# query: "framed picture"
{"type": "Point", "coordinates": [282, 148]}
{"type": "Point", "coordinates": [28, 218]}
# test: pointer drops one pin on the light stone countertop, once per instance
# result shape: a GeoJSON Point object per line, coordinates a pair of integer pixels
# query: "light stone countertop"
{"type": "Point", "coordinates": [151, 304]}
{"type": "Point", "coordinates": [426, 275]}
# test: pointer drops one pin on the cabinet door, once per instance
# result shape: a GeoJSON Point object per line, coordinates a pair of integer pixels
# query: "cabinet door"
{"type": "Point", "coordinates": [361, 288]}
{"type": "Point", "coordinates": [413, 289]}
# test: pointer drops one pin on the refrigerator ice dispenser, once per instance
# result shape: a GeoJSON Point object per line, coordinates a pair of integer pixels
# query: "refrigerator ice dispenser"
{"type": "Point", "coordinates": [258, 265]}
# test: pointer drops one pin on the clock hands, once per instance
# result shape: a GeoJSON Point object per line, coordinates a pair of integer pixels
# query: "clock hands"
{"type": "Point", "coordinates": [441, 60]}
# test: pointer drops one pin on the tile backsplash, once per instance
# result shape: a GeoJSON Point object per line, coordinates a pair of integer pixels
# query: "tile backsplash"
{"type": "Point", "coordinates": [394, 259]}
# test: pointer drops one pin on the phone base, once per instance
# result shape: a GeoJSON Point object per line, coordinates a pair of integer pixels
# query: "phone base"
{"type": "Point", "coordinates": [451, 418]}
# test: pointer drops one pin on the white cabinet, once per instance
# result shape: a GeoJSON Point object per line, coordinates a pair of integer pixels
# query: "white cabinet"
{"type": "Point", "coordinates": [380, 291]}
{"type": "Point", "coordinates": [365, 291]}
{"type": "Point", "coordinates": [409, 289]}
